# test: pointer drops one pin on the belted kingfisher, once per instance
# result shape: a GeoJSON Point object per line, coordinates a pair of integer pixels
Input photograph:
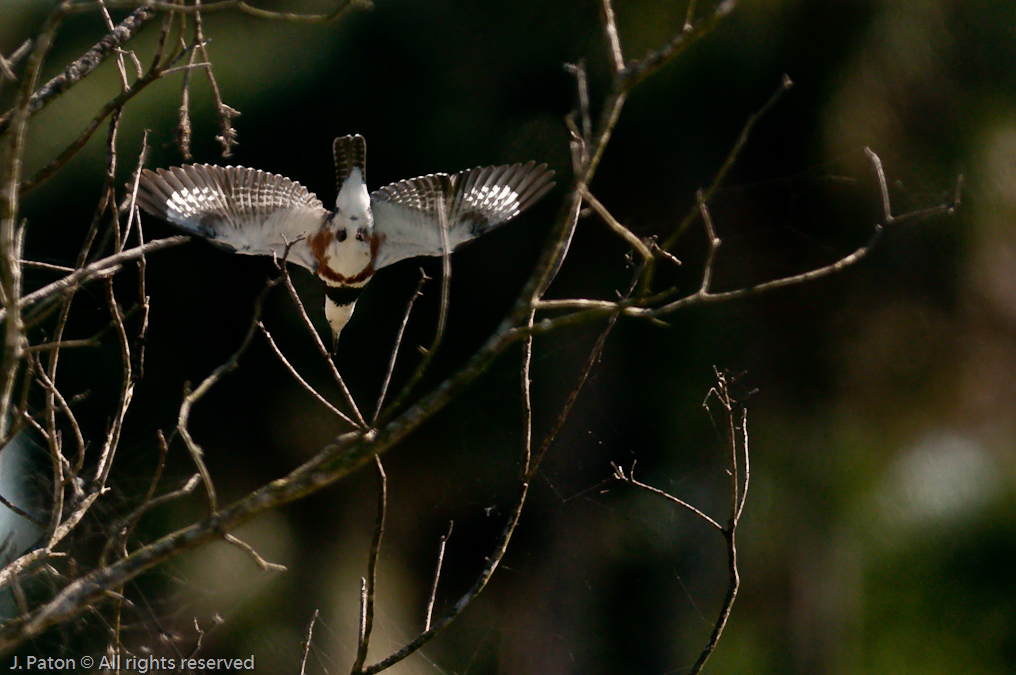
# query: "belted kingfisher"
{"type": "Point", "coordinates": [257, 213]}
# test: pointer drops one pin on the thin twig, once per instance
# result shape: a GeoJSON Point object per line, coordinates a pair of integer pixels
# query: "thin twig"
{"type": "Point", "coordinates": [46, 266]}
{"type": "Point", "coordinates": [307, 643]}
{"type": "Point", "coordinates": [96, 269]}
{"type": "Point", "coordinates": [713, 242]}
{"type": "Point", "coordinates": [437, 576]}
{"type": "Point", "coordinates": [62, 344]}
{"type": "Point", "coordinates": [106, 110]}
{"type": "Point", "coordinates": [629, 478]}
{"type": "Point", "coordinates": [12, 144]}
{"type": "Point", "coordinates": [58, 401]}
{"type": "Point", "coordinates": [527, 396]}
{"type": "Point", "coordinates": [341, 9]}
{"type": "Point", "coordinates": [635, 72]}
{"type": "Point", "coordinates": [617, 227]}
{"type": "Point", "coordinates": [738, 493]}
{"type": "Point", "coordinates": [299, 378]}
{"type": "Point", "coordinates": [612, 37]}
{"type": "Point", "coordinates": [592, 310]}
{"type": "Point", "coordinates": [322, 349]}
{"type": "Point", "coordinates": [689, 15]}
{"type": "Point", "coordinates": [84, 65]}
{"type": "Point", "coordinates": [474, 591]}
{"type": "Point", "coordinates": [591, 360]}
{"type": "Point", "coordinates": [8, 64]}
{"type": "Point", "coordinates": [21, 512]}
{"type": "Point", "coordinates": [442, 319]}
{"type": "Point", "coordinates": [121, 66]}
{"type": "Point", "coordinates": [131, 520]}
{"type": "Point", "coordinates": [255, 556]}
{"type": "Point", "coordinates": [398, 344]}
{"type": "Point", "coordinates": [370, 581]}
{"type": "Point", "coordinates": [183, 124]}
{"type": "Point", "coordinates": [227, 134]}
{"type": "Point", "coordinates": [192, 397]}
{"type": "Point", "coordinates": [730, 160]}
{"type": "Point", "coordinates": [112, 442]}
{"type": "Point", "coordinates": [120, 530]}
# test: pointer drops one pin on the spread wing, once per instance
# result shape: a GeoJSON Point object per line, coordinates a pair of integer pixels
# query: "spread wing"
{"type": "Point", "coordinates": [242, 210]}
{"type": "Point", "coordinates": [408, 214]}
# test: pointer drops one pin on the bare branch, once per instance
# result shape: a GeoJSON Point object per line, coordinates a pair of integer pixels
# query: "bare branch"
{"type": "Point", "coordinates": [227, 134]}
{"type": "Point", "coordinates": [437, 576]}
{"type": "Point", "coordinates": [689, 15]}
{"type": "Point", "coordinates": [370, 581]}
{"type": "Point", "coordinates": [64, 407]}
{"type": "Point", "coordinates": [249, 550]}
{"type": "Point", "coordinates": [442, 319]}
{"type": "Point", "coordinates": [481, 582]}
{"type": "Point", "coordinates": [360, 423]}
{"type": "Point", "coordinates": [712, 241]}
{"type": "Point", "coordinates": [638, 70]}
{"type": "Point", "coordinates": [398, 344]}
{"type": "Point", "coordinates": [303, 383]}
{"type": "Point", "coordinates": [11, 235]}
{"type": "Point", "coordinates": [612, 37]}
{"type": "Point", "coordinates": [586, 135]}
{"type": "Point", "coordinates": [149, 503]}
{"type": "Point", "coordinates": [730, 160]}
{"type": "Point", "coordinates": [617, 227]}
{"type": "Point", "coordinates": [8, 64]}
{"type": "Point", "coordinates": [84, 65]}
{"type": "Point", "coordinates": [629, 478]}
{"type": "Point", "coordinates": [96, 269]}
{"type": "Point", "coordinates": [341, 9]}
{"type": "Point", "coordinates": [105, 111]}
{"type": "Point", "coordinates": [126, 391]}
{"type": "Point", "coordinates": [736, 418]}
{"type": "Point", "coordinates": [192, 397]}
{"type": "Point", "coordinates": [307, 642]}
{"type": "Point", "coordinates": [21, 512]}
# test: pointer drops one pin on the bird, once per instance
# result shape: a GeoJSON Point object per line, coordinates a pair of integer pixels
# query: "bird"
{"type": "Point", "coordinates": [253, 212]}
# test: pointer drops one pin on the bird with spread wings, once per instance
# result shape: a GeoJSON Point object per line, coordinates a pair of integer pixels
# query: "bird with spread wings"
{"type": "Point", "coordinates": [258, 213]}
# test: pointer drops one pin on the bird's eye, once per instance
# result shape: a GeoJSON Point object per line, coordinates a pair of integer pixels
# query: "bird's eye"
{"type": "Point", "coordinates": [361, 234]}
{"type": "Point", "coordinates": [340, 234]}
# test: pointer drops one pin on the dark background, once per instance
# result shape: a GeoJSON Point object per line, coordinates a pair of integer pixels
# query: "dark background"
{"type": "Point", "coordinates": [879, 532]}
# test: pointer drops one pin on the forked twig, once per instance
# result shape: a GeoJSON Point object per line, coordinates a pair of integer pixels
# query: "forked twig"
{"type": "Point", "coordinates": [629, 478]}
{"type": "Point", "coordinates": [299, 378]}
{"type": "Point", "coordinates": [737, 418]}
{"type": "Point", "coordinates": [320, 344]}
{"type": "Point", "coordinates": [659, 305]}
